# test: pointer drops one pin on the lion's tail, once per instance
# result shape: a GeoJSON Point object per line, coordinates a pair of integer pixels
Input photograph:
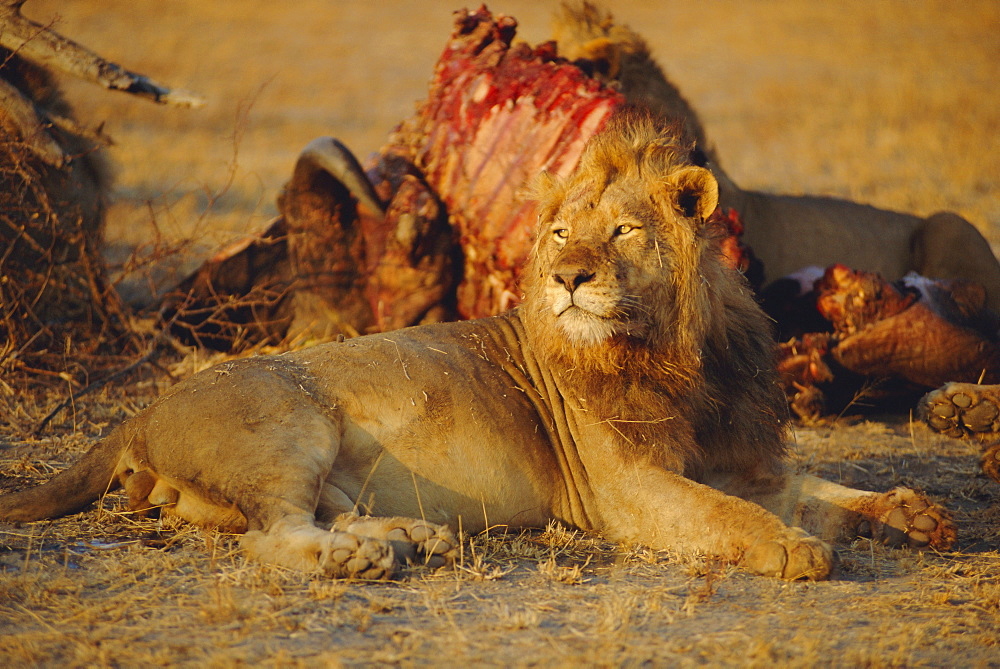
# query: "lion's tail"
{"type": "Point", "coordinates": [74, 488]}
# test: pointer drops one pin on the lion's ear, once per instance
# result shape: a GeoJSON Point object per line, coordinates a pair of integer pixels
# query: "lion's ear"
{"type": "Point", "coordinates": [695, 192]}
{"type": "Point", "coordinates": [543, 185]}
{"type": "Point", "coordinates": [546, 189]}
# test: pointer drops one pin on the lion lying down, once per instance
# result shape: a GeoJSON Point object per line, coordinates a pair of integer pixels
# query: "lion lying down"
{"type": "Point", "coordinates": [633, 394]}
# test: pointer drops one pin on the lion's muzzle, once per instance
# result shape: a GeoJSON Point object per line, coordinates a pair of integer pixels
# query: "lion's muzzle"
{"type": "Point", "coordinates": [571, 279]}
{"type": "Point", "coordinates": [583, 298]}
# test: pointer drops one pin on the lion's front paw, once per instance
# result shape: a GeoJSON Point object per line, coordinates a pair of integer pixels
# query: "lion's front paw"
{"type": "Point", "coordinates": [797, 555]}
{"type": "Point", "coordinates": [905, 517]}
{"type": "Point", "coordinates": [345, 555]}
{"type": "Point", "coordinates": [961, 409]}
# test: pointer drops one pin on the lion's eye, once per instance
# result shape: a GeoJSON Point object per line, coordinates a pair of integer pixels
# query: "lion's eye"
{"type": "Point", "coordinates": [560, 233]}
{"type": "Point", "coordinates": [624, 229]}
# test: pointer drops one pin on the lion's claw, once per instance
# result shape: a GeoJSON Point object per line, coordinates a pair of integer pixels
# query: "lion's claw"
{"type": "Point", "coordinates": [794, 556]}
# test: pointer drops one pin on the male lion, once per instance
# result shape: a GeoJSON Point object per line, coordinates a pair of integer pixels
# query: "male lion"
{"type": "Point", "coordinates": [786, 232]}
{"type": "Point", "coordinates": [632, 394]}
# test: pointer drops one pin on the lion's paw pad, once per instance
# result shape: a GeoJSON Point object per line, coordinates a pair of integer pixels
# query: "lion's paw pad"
{"type": "Point", "coordinates": [962, 409]}
{"type": "Point", "coordinates": [414, 541]}
{"type": "Point", "coordinates": [436, 545]}
{"type": "Point", "coordinates": [345, 555]}
{"type": "Point", "coordinates": [910, 519]}
{"type": "Point", "coordinates": [797, 555]}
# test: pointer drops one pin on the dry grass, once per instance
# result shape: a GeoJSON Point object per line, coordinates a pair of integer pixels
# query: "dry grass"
{"type": "Point", "coordinates": [104, 588]}
{"type": "Point", "coordinates": [891, 103]}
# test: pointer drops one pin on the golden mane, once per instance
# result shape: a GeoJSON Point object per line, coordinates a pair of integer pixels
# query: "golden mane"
{"type": "Point", "coordinates": [700, 326]}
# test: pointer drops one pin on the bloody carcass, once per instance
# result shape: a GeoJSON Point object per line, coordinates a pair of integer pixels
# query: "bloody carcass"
{"type": "Point", "coordinates": [915, 333]}
{"type": "Point", "coordinates": [439, 225]}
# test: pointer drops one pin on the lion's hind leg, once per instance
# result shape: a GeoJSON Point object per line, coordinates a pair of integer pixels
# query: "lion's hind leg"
{"type": "Point", "coordinates": [297, 543]}
{"type": "Point", "coordinates": [284, 530]}
{"type": "Point", "coordinates": [413, 540]}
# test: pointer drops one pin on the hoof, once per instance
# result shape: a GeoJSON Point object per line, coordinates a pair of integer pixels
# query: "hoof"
{"type": "Point", "coordinates": [962, 409]}
{"type": "Point", "coordinates": [792, 557]}
{"type": "Point", "coordinates": [908, 519]}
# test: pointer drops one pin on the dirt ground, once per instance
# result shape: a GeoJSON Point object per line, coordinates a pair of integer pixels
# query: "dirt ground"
{"type": "Point", "coordinates": [892, 103]}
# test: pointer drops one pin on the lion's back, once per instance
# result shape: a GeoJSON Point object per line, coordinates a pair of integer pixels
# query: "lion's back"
{"type": "Point", "coordinates": [467, 373]}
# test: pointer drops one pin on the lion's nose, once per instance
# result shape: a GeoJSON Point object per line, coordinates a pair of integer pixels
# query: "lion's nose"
{"type": "Point", "coordinates": [572, 279]}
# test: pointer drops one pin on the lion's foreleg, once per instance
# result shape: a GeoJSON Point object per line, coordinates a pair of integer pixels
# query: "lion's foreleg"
{"type": "Point", "coordinates": [900, 517]}
{"type": "Point", "coordinates": [662, 509]}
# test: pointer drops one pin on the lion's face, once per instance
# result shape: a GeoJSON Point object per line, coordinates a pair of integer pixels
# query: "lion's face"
{"type": "Point", "coordinates": [603, 256]}
{"type": "Point", "coordinates": [614, 236]}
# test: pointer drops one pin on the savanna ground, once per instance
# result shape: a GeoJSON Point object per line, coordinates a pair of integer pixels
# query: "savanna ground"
{"type": "Point", "coordinates": [892, 103]}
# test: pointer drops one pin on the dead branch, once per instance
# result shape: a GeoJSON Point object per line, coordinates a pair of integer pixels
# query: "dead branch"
{"type": "Point", "coordinates": [37, 43]}
{"type": "Point", "coordinates": [150, 356]}
{"type": "Point", "coordinates": [22, 113]}
{"type": "Point", "coordinates": [152, 352]}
